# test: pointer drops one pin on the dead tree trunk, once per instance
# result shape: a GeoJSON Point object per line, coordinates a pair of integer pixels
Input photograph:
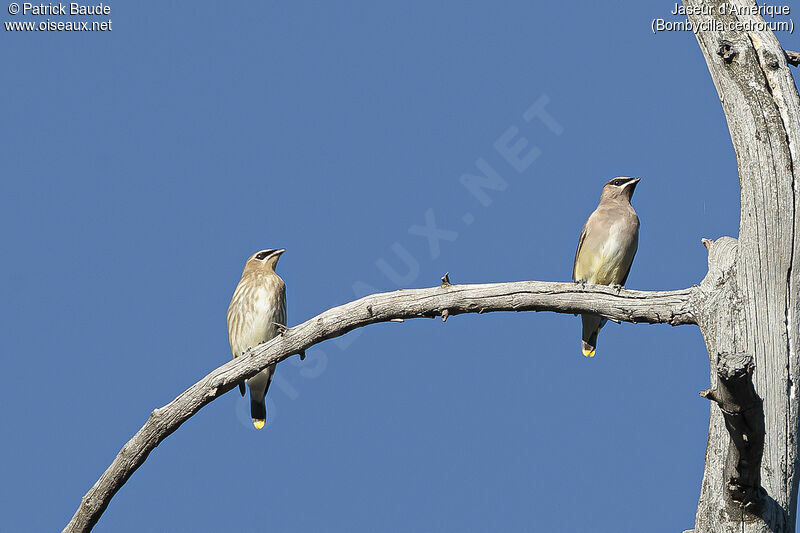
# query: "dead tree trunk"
{"type": "Point", "coordinates": [752, 292]}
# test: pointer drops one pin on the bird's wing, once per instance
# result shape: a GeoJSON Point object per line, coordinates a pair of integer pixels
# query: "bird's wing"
{"type": "Point", "coordinates": [578, 251]}
{"type": "Point", "coordinates": [632, 252]}
{"type": "Point", "coordinates": [270, 373]}
{"type": "Point", "coordinates": [625, 277]}
{"type": "Point", "coordinates": [282, 312]}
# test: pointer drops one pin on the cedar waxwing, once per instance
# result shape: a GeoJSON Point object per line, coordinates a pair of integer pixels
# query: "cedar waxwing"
{"type": "Point", "coordinates": [608, 242]}
{"type": "Point", "coordinates": [256, 312]}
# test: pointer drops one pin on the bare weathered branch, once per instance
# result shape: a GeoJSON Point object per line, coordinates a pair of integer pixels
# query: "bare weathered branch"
{"type": "Point", "coordinates": [793, 58]}
{"type": "Point", "coordinates": [672, 307]}
{"type": "Point", "coordinates": [743, 412]}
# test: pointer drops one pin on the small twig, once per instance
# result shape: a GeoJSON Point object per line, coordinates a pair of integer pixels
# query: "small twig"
{"type": "Point", "coordinates": [445, 314]}
{"type": "Point", "coordinates": [446, 279]}
{"type": "Point", "coordinates": [793, 58]}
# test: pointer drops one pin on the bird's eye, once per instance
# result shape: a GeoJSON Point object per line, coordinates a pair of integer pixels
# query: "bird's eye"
{"type": "Point", "coordinates": [263, 255]}
{"type": "Point", "coordinates": [617, 183]}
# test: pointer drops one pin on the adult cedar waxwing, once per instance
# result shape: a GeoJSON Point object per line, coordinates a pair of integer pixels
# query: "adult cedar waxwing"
{"type": "Point", "coordinates": [255, 315]}
{"type": "Point", "coordinates": [608, 242]}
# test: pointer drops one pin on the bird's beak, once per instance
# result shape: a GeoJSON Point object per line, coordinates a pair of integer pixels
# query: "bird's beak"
{"type": "Point", "coordinates": [632, 183]}
{"type": "Point", "coordinates": [279, 252]}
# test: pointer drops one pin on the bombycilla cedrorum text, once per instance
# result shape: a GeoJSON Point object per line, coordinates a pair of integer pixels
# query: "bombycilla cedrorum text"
{"type": "Point", "coordinates": [255, 314]}
{"type": "Point", "coordinates": [608, 242]}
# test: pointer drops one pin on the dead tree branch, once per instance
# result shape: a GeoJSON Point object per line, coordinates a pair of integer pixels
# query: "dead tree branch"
{"type": "Point", "coordinates": [671, 307]}
{"type": "Point", "coordinates": [743, 412]}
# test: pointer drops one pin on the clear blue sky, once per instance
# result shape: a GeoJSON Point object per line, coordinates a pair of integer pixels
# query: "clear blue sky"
{"type": "Point", "coordinates": [141, 167]}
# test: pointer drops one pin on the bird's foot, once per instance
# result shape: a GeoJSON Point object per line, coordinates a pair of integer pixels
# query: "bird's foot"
{"type": "Point", "coordinates": [617, 287]}
{"type": "Point", "coordinates": [581, 282]}
{"type": "Point", "coordinates": [281, 328]}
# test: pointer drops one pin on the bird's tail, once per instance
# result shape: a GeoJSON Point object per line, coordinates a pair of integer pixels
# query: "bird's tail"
{"type": "Point", "coordinates": [258, 411]}
{"type": "Point", "coordinates": [258, 391]}
{"type": "Point", "coordinates": [592, 324]}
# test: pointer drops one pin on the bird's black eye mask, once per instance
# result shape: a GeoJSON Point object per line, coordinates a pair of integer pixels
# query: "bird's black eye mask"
{"type": "Point", "coordinates": [617, 183]}
{"type": "Point", "coordinates": [263, 255]}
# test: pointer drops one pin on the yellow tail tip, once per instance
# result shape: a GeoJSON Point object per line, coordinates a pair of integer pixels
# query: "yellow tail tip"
{"type": "Point", "coordinates": [587, 353]}
{"type": "Point", "coordinates": [259, 423]}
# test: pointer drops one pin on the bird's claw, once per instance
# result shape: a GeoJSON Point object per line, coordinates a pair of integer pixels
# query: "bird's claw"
{"type": "Point", "coordinates": [281, 328]}
{"type": "Point", "coordinates": [617, 287]}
